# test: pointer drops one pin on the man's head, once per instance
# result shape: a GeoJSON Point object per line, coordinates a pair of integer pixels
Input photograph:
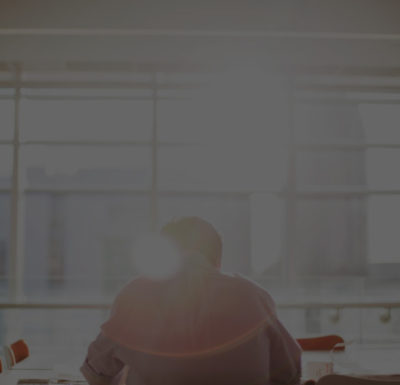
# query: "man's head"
{"type": "Point", "coordinates": [195, 234]}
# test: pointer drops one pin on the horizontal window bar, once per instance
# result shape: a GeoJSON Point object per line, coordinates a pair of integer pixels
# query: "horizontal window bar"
{"type": "Point", "coordinates": [86, 190]}
{"type": "Point", "coordinates": [85, 98]}
{"type": "Point", "coordinates": [381, 89]}
{"type": "Point", "coordinates": [344, 146]}
{"type": "Point", "coordinates": [127, 143]}
{"type": "Point", "coordinates": [110, 143]}
{"type": "Point", "coordinates": [347, 100]}
{"type": "Point", "coordinates": [91, 98]}
{"type": "Point", "coordinates": [299, 147]}
{"type": "Point", "coordinates": [116, 190]}
{"type": "Point", "coordinates": [321, 192]}
{"type": "Point", "coordinates": [283, 305]}
{"type": "Point", "coordinates": [97, 84]}
{"type": "Point", "coordinates": [355, 71]}
{"type": "Point", "coordinates": [311, 193]}
{"type": "Point", "coordinates": [201, 33]}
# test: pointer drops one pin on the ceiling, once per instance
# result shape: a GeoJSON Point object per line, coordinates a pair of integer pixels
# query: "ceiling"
{"type": "Point", "coordinates": [220, 33]}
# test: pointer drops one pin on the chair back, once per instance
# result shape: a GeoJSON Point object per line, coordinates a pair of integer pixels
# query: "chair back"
{"type": "Point", "coordinates": [323, 343]}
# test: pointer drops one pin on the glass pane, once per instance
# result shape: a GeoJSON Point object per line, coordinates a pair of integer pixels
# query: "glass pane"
{"type": "Point", "coordinates": [230, 216]}
{"type": "Point", "coordinates": [6, 119]}
{"type": "Point", "coordinates": [324, 123]}
{"type": "Point", "coordinates": [6, 160]}
{"type": "Point", "coordinates": [95, 120]}
{"type": "Point", "coordinates": [86, 166]}
{"type": "Point", "coordinates": [331, 168]}
{"type": "Point", "coordinates": [383, 230]}
{"type": "Point", "coordinates": [78, 246]}
{"type": "Point", "coordinates": [382, 168]}
{"type": "Point", "coordinates": [381, 122]}
{"type": "Point", "coordinates": [196, 121]}
{"type": "Point", "coordinates": [5, 223]}
{"type": "Point", "coordinates": [237, 168]}
{"type": "Point", "coordinates": [266, 233]}
{"type": "Point", "coordinates": [177, 122]}
{"type": "Point", "coordinates": [330, 237]}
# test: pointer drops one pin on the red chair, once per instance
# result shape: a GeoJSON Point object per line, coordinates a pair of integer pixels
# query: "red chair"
{"type": "Point", "coordinates": [14, 354]}
{"type": "Point", "coordinates": [20, 351]}
{"type": "Point", "coordinates": [323, 343]}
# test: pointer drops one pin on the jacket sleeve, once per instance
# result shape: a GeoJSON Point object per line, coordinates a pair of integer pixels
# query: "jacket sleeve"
{"type": "Point", "coordinates": [285, 352]}
{"type": "Point", "coordinates": [285, 356]}
{"type": "Point", "coordinates": [101, 366]}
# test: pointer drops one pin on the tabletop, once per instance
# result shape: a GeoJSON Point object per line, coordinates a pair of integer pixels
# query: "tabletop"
{"type": "Point", "coordinates": [364, 359]}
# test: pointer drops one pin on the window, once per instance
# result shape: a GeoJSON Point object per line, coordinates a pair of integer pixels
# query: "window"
{"type": "Point", "coordinates": [84, 119]}
{"type": "Point", "coordinates": [225, 167]}
{"type": "Point", "coordinates": [79, 242]}
{"type": "Point", "coordinates": [383, 239]}
{"type": "Point", "coordinates": [86, 175]}
{"type": "Point", "coordinates": [309, 216]}
{"type": "Point", "coordinates": [85, 166]}
{"type": "Point", "coordinates": [224, 158]}
{"type": "Point", "coordinates": [5, 166]}
{"type": "Point", "coordinates": [92, 159]}
{"type": "Point", "coordinates": [381, 168]}
{"type": "Point", "coordinates": [99, 164]}
{"type": "Point", "coordinates": [330, 170]}
{"type": "Point", "coordinates": [7, 115]}
{"type": "Point", "coordinates": [267, 228]}
{"type": "Point", "coordinates": [381, 122]}
{"type": "Point", "coordinates": [327, 122]}
{"type": "Point", "coordinates": [329, 237]}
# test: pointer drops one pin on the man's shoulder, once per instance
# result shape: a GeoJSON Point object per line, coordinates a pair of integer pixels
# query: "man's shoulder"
{"type": "Point", "coordinates": [256, 288]}
{"type": "Point", "coordinates": [244, 280]}
{"type": "Point", "coordinates": [132, 288]}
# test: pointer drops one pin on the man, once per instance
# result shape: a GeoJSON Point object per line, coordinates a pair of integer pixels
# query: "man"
{"type": "Point", "coordinates": [199, 326]}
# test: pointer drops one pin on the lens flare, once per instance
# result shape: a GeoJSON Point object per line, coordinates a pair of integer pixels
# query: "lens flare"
{"type": "Point", "coordinates": [156, 257]}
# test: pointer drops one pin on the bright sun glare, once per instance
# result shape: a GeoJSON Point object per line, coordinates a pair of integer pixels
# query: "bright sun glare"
{"type": "Point", "coordinates": [155, 257]}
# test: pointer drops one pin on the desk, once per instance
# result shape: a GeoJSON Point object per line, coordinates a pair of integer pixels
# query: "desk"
{"type": "Point", "coordinates": [14, 376]}
{"type": "Point", "coordinates": [39, 378]}
{"type": "Point", "coordinates": [45, 375]}
{"type": "Point", "coordinates": [47, 363]}
{"type": "Point", "coordinates": [357, 359]}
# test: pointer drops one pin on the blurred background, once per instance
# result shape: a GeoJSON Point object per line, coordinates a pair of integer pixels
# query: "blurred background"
{"type": "Point", "coordinates": [278, 122]}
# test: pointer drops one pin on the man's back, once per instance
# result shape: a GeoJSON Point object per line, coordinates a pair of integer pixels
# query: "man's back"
{"type": "Point", "coordinates": [246, 363]}
{"type": "Point", "coordinates": [200, 327]}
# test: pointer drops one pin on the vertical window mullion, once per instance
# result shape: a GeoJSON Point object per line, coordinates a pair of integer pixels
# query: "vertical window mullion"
{"type": "Point", "coordinates": [154, 154]}
{"type": "Point", "coordinates": [290, 195]}
{"type": "Point", "coordinates": [16, 239]}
